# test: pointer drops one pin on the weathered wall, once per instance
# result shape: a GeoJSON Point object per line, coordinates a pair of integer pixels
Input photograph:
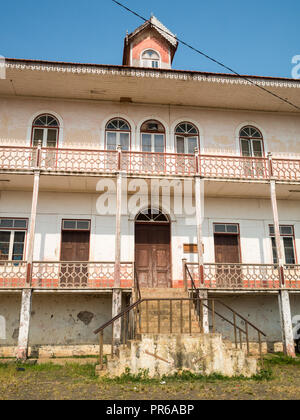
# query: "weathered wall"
{"type": "Point", "coordinates": [83, 124]}
{"type": "Point", "coordinates": [56, 319]}
{"type": "Point", "coordinates": [261, 310]}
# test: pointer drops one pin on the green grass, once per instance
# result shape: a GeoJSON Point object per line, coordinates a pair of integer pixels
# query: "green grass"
{"type": "Point", "coordinates": [280, 359]}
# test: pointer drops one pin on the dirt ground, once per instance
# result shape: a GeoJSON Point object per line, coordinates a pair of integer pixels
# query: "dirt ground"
{"type": "Point", "coordinates": [281, 380]}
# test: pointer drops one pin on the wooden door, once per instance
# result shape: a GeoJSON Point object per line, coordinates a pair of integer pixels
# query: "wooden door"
{"type": "Point", "coordinates": [227, 251]}
{"type": "Point", "coordinates": [74, 248]}
{"type": "Point", "coordinates": [152, 255]}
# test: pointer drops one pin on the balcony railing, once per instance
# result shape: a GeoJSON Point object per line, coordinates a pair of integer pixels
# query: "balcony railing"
{"type": "Point", "coordinates": [65, 275]}
{"type": "Point", "coordinates": [13, 274]}
{"type": "Point", "coordinates": [100, 275]}
{"type": "Point", "coordinates": [244, 276]}
{"type": "Point", "coordinates": [108, 162]}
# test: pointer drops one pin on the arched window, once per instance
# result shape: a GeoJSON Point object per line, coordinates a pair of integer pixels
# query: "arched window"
{"type": "Point", "coordinates": [150, 58]}
{"type": "Point", "coordinates": [153, 137]}
{"type": "Point", "coordinates": [252, 143]}
{"type": "Point", "coordinates": [152, 216]}
{"type": "Point", "coordinates": [118, 134]}
{"type": "Point", "coordinates": [186, 138]}
{"type": "Point", "coordinates": [45, 129]}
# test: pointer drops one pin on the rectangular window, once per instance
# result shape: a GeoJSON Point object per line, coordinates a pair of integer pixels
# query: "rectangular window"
{"type": "Point", "coordinates": [76, 225]}
{"type": "Point", "coordinates": [287, 242]}
{"type": "Point", "coordinates": [226, 228]}
{"type": "Point", "coordinates": [12, 239]}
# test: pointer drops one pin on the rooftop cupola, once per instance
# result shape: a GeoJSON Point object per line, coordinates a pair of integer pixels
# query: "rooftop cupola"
{"type": "Point", "coordinates": [151, 45]}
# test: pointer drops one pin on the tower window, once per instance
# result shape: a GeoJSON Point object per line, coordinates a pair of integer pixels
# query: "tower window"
{"type": "Point", "coordinates": [150, 58]}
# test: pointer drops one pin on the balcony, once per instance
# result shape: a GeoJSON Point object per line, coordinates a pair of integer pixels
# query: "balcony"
{"type": "Point", "coordinates": [96, 162]}
{"type": "Point", "coordinates": [243, 276]}
{"type": "Point", "coordinates": [100, 275]}
{"type": "Point", "coordinates": [64, 275]}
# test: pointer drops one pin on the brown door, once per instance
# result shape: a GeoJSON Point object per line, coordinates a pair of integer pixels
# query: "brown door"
{"type": "Point", "coordinates": [152, 255]}
{"type": "Point", "coordinates": [75, 248]}
{"type": "Point", "coordinates": [227, 251]}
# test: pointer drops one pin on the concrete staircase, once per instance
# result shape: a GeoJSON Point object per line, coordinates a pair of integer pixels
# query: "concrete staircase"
{"type": "Point", "coordinates": [159, 352]}
{"type": "Point", "coordinates": [162, 314]}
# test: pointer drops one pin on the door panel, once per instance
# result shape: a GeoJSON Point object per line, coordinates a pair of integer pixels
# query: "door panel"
{"type": "Point", "coordinates": [74, 247]}
{"type": "Point", "coordinates": [227, 251]}
{"type": "Point", "coordinates": [152, 255]}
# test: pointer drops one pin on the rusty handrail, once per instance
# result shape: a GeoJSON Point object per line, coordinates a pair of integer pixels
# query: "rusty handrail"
{"type": "Point", "coordinates": [235, 316]}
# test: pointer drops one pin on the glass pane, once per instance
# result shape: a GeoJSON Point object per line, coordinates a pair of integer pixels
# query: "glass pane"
{"type": "Point", "coordinates": [51, 137]}
{"type": "Point", "coordinates": [159, 143]}
{"type": "Point", "coordinates": [246, 151]}
{"type": "Point", "coordinates": [289, 250]}
{"type": "Point", "coordinates": [286, 230]}
{"type": "Point", "coordinates": [41, 121]}
{"type": "Point", "coordinates": [4, 245]}
{"type": "Point", "coordinates": [20, 223]}
{"type": "Point", "coordinates": [83, 225]}
{"type": "Point", "coordinates": [257, 148]}
{"type": "Point", "coordinates": [6, 223]}
{"type": "Point", "coordinates": [220, 228]}
{"type": "Point", "coordinates": [69, 224]}
{"type": "Point", "coordinates": [180, 144]}
{"type": "Point", "coordinates": [146, 143]}
{"type": "Point", "coordinates": [232, 229]}
{"type": "Point", "coordinates": [38, 135]}
{"type": "Point", "coordinates": [111, 141]}
{"type": "Point", "coordinates": [192, 145]}
{"type": "Point", "coordinates": [124, 140]}
{"type": "Point", "coordinates": [272, 230]}
{"type": "Point", "coordinates": [274, 251]}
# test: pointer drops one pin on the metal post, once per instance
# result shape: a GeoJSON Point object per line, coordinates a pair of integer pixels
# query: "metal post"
{"type": "Point", "coordinates": [185, 283]}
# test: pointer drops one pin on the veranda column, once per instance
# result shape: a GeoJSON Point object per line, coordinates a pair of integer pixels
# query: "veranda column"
{"type": "Point", "coordinates": [117, 292]}
{"type": "Point", "coordinates": [284, 298]}
{"type": "Point", "coordinates": [199, 197]}
{"type": "Point", "coordinates": [22, 350]}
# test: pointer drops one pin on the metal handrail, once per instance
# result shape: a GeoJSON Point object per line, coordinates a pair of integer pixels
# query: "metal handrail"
{"type": "Point", "coordinates": [198, 303]}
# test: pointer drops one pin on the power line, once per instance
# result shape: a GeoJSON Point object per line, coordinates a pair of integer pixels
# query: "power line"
{"type": "Point", "coordinates": [210, 58]}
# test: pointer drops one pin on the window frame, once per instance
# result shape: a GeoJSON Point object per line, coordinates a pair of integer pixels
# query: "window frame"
{"type": "Point", "coordinates": [282, 236]}
{"type": "Point", "coordinates": [152, 133]}
{"type": "Point", "coordinates": [12, 232]}
{"type": "Point", "coordinates": [45, 129]}
{"type": "Point", "coordinates": [118, 133]}
{"type": "Point", "coordinates": [143, 60]}
{"type": "Point", "coordinates": [186, 136]}
{"type": "Point", "coordinates": [251, 139]}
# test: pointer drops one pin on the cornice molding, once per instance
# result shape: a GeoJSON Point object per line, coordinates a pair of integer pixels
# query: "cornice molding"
{"type": "Point", "coordinates": [144, 73]}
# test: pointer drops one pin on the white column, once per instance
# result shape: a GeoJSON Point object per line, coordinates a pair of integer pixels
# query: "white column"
{"type": "Point", "coordinates": [117, 292]}
{"type": "Point", "coordinates": [22, 350]}
{"type": "Point", "coordinates": [284, 299]}
{"type": "Point", "coordinates": [199, 197]}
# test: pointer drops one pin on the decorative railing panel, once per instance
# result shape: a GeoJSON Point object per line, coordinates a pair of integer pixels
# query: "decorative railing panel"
{"type": "Point", "coordinates": [73, 160]}
{"type": "Point", "coordinates": [237, 276]}
{"type": "Point", "coordinates": [286, 169]}
{"type": "Point", "coordinates": [105, 161]}
{"type": "Point", "coordinates": [158, 163]}
{"type": "Point", "coordinates": [79, 275]}
{"type": "Point", "coordinates": [17, 158]}
{"type": "Point", "coordinates": [292, 276]}
{"type": "Point", "coordinates": [233, 167]}
{"type": "Point", "coordinates": [13, 274]}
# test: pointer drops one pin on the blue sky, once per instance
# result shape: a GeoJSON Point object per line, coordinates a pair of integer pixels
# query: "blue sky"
{"type": "Point", "coordinates": [253, 37]}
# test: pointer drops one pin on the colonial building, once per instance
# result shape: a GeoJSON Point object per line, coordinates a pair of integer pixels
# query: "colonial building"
{"type": "Point", "coordinates": [116, 175]}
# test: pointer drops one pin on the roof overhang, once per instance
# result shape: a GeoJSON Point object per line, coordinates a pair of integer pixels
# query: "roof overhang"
{"type": "Point", "coordinates": [31, 78]}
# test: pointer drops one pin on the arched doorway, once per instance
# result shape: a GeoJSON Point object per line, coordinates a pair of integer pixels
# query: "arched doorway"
{"type": "Point", "coordinates": [152, 249]}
